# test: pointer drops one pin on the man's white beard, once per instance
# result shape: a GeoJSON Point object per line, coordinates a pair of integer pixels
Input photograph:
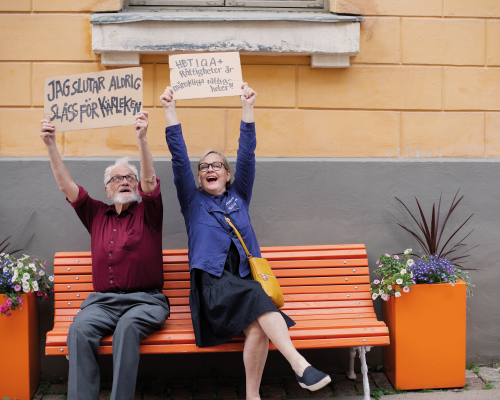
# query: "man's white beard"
{"type": "Point", "coordinates": [125, 198]}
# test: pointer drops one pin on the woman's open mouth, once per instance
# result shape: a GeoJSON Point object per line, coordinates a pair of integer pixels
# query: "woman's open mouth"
{"type": "Point", "coordinates": [212, 179]}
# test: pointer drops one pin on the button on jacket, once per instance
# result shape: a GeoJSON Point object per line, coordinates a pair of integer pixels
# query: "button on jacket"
{"type": "Point", "coordinates": [126, 248]}
{"type": "Point", "coordinates": [209, 234]}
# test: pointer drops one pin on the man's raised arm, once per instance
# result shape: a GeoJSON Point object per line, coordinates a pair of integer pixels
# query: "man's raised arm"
{"type": "Point", "coordinates": [62, 175]}
{"type": "Point", "coordinates": [148, 177]}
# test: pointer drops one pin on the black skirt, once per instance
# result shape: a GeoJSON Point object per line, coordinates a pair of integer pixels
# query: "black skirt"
{"type": "Point", "coordinates": [221, 307]}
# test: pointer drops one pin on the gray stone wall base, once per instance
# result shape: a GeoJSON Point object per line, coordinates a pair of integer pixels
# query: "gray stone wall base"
{"type": "Point", "coordinates": [295, 202]}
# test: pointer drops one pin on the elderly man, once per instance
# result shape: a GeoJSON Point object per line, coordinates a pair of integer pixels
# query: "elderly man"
{"type": "Point", "coordinates": [127, 268]}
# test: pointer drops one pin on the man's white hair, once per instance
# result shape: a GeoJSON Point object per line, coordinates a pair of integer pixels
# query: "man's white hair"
{"type": "Point", "coordinates": [119, 163]}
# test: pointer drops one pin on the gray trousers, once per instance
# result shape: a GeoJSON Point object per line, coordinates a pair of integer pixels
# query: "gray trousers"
{"type": "Point", "coordinates": [130, 317]}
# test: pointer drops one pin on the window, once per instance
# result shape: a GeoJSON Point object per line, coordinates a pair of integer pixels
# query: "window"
{"type": "Point", "coordinates": [237, 4]}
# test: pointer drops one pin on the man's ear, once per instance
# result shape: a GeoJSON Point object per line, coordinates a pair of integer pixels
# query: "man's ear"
{"type": "Point", "coordinates": [106, 190]}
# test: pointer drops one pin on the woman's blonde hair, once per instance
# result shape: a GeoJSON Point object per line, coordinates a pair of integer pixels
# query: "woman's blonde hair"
{"type": "Point", "coordinates": [224, 162]}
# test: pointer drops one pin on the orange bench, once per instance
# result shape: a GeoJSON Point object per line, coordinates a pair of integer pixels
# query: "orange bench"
{"type": "Point", "coordinates": [326, 289]}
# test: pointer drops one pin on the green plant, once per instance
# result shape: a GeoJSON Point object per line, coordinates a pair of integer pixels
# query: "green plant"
{"type": "Point", "coordinates": [399, 391]}
{"type": "Point", "coordinates": [426, 391]}
{"type": "Point", "coordinates": [473, 367]}
{"type": "Point", "coordinates": [489, 386]}
{"type": "Point", "coordinates": [429, 233]}
{"type": "Point", "coordinates": [44, 388]}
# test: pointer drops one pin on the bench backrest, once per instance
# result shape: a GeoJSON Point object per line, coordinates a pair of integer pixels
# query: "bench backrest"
{"type": "Point", "coordinates": [317, 281]}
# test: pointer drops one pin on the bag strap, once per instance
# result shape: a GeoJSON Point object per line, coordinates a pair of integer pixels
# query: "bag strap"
{"type": "Point", "coordinates": [239, 237]}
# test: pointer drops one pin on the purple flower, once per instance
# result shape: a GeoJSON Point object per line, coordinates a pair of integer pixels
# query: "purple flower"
{"type": "Point", "coordinates": [3, 308]}
{"type": "Point", "coordinates": [19, 300]}
{"type": "Point", "coordinates": [8, 303]}
{"type": "Point", "coordinates": [9, 314]}
{"type": "Point", "coordinates": [17, 288]}
{"type": "Point", "coordinates": [39, 293]}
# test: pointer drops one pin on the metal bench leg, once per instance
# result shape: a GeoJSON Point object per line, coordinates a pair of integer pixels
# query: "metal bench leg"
{"type": "Point", "coordinates": [364, 371]}
{"type": "Point", "coordinates": [351, 374]}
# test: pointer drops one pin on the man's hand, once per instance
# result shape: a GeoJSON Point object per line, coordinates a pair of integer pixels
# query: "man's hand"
{"type": "Point", "coordinates": [249, 95]}
{"type": "Point", "coordinates": [168, 103]}
{"type": "Point", "coordinates": [141, 125]}
{"type": "Point", "coordinates": [48, 133]}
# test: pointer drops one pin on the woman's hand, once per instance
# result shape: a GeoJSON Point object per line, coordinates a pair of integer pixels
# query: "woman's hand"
{"type": "Point", "coordinates": [247, 101]}
{"type": "Point", "coordinates": [48, 132]}
{"type": "Point", "coordinates": [168, 103]}
{"type": "Point", "coordinates": [249, 95]}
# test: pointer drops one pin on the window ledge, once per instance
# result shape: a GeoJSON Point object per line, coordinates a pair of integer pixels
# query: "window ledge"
{"type": "Point", "coordinates": [329, 39]}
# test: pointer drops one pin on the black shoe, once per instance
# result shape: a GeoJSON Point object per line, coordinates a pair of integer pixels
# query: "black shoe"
{"type": "Point", "coordinates": [312, 379]}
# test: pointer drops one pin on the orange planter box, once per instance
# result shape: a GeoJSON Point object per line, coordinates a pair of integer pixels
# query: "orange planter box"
{"type": "Point", "coordinates": [20, 355]}
{"type": "Point", "coordinates": [427, 333]}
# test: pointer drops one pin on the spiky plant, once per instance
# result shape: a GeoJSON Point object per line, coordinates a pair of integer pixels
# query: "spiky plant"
{"type": "Point", "coordinates": [429, 234]}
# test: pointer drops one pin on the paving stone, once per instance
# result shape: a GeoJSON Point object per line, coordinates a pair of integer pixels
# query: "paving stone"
{"type": "Point", "coordinates": [37, 397]}
{"type": "Point", "coordinates": [323, 392]}
{"type": "Point", "coordinates": [293, 389]}
{"type": "Point", "coordinates": [205, 385]}
{"type": "Point", "coordinates": [380, 379]}
{"type": "Point", "coordinates": [156, 387]}
{"type": "Point", "coordinates": [227, 393]}
{"type": "Point", "coordinates": [470, 374]}
{"type": "Point", "coordinates": [59, 388]}
{"type": "Point", "coordinates": [104, 394]}
{"type": "Point", "coordinates": [270, 380]}
{"type": "Point", "coordinates": [491, 375]}
{"type": "Point", "coordinates": [474, 383]}
{"type": "Point", "coordinates": [343, 386]}
{"type": "Point", "coordinates": [181, 393]}
{"type": "Point", "coordinates": [275, 391]}
{"type": "Point", "coordinates": [155, 397]}
{"type": "Point", "coordinates": [54, 397]}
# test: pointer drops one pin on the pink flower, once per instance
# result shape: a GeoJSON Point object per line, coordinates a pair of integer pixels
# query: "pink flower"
{"type": "Point", "coordinates": [3, 308]}
{"type": "Point", "coordinates": [39, 293]}
{"type": "Point", "coordinates": [376, 281]}
{"type": "Point", "coordinates": [413, 282]}
{"type": "Point", "coordinates": [9, 314]}
{"type": "Point", "coordinates": [8, 303]}
{"type": "Point", "coordinates": [381, 265]}
{"type": "Point", "coordinates": [19, 300]}
{"type": "Point", "coordinates": [406, 289]}
{"type": "Point", "coordinates": [396, 257]}
{"type": "Point", "coordinates": [17, 288]}
{"type": "Point", "coordinates": [45, 296]}
{"type": "Point", "coordinates": [378, 262]}
{"type": "Point", "coordinates": [387, 255]}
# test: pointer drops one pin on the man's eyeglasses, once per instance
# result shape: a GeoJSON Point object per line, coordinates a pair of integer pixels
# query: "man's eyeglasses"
{"type": "Point", "coordinates": [215, 166]}
{"type": "Point", "coordinates": [119, 178]}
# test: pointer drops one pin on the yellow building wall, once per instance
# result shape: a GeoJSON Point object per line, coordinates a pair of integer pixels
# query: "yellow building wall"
{"type": "Point", "coordinates": [426, 83]}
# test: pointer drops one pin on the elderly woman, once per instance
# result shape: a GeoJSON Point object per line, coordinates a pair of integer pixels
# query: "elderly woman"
{"type": "Point", "coordinates": [224, 298]}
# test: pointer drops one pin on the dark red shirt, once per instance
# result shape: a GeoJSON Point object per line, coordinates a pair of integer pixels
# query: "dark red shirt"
{"type": "Point", "coordinates": [126, 248]}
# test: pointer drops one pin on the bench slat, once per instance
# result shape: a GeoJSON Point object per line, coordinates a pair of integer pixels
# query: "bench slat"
{"type": "Point", "coordinates": [238, 347]}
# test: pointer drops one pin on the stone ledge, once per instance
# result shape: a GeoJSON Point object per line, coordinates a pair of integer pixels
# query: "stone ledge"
{"type": "Point", "coordinates": [329, 38]}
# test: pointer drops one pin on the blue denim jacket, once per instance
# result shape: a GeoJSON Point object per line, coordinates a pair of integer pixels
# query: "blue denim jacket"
{"type": "Point", "coordinates": [208, 232]}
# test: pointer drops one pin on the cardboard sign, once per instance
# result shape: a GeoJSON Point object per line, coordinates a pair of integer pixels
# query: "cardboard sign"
{"type": "Point", "coordinates": [93, 100]}
{"type": "Point", "coordinates": [198, 76]}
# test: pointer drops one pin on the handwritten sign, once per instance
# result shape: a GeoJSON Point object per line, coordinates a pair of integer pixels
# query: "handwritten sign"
{"type": "Point", "coordinates": [93, 100]}
{"type": "Point", "coordinates": [198, 76]}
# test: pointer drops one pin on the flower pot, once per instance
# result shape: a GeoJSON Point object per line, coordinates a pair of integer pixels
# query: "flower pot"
{"type": "Point", "coordinates": [20, 355]}
{"type": "Point", "coordinates": [427, 333]}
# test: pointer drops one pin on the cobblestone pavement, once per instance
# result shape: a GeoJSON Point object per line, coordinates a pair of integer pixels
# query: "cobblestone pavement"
{"type": "Point", "coordinates": [481, 384]}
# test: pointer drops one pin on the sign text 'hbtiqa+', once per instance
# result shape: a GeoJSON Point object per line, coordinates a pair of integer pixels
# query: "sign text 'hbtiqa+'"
{"type": "Point", "coordinates": [93, 100]}
{"type": "Point", "coordinates": [198, 76]}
